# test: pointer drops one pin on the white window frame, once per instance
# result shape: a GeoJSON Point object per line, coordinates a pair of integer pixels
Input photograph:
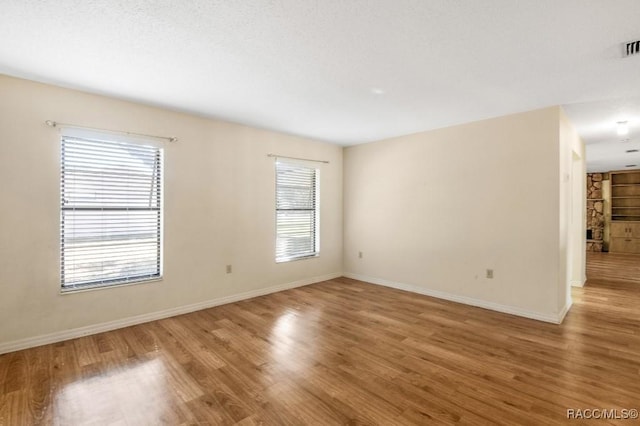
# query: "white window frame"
{"type": "Point", "coordinates": [94, 137]}
{"type": "Point", "coordinates": [316, 214]}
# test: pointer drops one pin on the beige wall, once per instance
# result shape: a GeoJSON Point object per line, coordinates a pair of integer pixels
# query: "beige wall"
{"type": "Point", "coordinates": [219, 209]}
{"type": "Point", "coordinates": [432, 211]}
{"type": "Point", "coordinates": [573, 208]}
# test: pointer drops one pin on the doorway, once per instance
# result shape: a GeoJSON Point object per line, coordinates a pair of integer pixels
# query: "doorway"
{"type": "Point", "coordinates": [613, 217]}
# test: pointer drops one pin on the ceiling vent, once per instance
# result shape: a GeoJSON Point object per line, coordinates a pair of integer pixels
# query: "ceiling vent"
{"type": "Point", "coordinates": [631, 48]}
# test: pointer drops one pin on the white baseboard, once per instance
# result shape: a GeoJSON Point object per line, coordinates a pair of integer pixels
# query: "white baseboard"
{"type": "Point", "coordinates": [540, 316]}
{"type": "Point", "coordinates": [31, 342]}
{"type": "Point", "coordinates": [578, 283]}
{"type": "Point", "coordinates": [564, 311]}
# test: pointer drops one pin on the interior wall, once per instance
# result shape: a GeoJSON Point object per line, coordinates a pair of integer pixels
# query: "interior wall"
{"type": "Point", "coordinates": [431, 212]}
{"type": "Point", "coordinates": [578, 221]}
{"type": "Point", "coordinates": [572, 209]}
{"type": "Point", "coordinates": [219, 195]}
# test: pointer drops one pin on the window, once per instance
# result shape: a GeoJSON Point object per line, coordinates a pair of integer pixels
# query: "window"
{"type": "Point", "coordinates": [296, 211]}
{"type": "Point", "coordinates": [111, 212]}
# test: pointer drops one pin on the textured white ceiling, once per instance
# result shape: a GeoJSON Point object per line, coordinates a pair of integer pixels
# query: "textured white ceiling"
{"type": "Point", "coordinates": [596, 123]}
{"type": "Point", "coordinates": [308, 67]}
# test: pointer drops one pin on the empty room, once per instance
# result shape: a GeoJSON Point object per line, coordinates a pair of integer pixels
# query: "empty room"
{"type": "Point", "coordinates": [280, 212]}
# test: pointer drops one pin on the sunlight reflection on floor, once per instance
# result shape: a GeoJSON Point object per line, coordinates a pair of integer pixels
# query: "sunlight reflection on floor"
{"type": "Point", "coordinates": [140, 391]}
{"type": "Point", "coordinates": [289, 349]}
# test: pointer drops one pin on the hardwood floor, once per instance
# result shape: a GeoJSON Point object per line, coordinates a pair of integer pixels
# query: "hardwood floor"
{"type": "Point", "coordinates": [614, 268]}
{"type": "Point", "coordinates": [339, 352]}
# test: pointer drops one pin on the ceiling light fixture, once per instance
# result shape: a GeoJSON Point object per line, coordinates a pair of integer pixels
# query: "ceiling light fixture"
{"type": "Point", "coordinates": [623, 128]}
{"type": "Point", "coordinates": [377, 91]}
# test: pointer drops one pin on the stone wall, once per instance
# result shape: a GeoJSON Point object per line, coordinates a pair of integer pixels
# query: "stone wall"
{"type": "Point", "coordinates": [595, 211]}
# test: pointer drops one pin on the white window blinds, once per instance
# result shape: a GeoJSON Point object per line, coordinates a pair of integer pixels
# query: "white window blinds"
{"type": "Point", "coordinates": [111, 218]}
{"type": "Point", "coordinates": [296, 211]}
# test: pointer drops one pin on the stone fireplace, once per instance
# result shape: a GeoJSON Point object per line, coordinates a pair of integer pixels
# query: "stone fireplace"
{"type": "Point", "coordinates": [595, 211]}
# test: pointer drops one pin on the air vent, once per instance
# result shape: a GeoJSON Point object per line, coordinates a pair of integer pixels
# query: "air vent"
{"type": "Point", "coordinates": [629, 151]}
{"type": "Point", "coordinates": [631, 165]}
{"type": "Point", "coordinates": [632, 48]}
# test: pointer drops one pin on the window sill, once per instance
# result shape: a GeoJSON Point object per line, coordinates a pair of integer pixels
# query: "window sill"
{"type": "Point", "coordinates": [312, 256]}
{"type": "Point", "coordinates": [66, 291]}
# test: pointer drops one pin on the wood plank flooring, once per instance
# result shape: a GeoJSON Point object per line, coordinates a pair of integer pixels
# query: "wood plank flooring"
{"type": "Point", "coordinates": [340, 352]}
{"type": "Point", "coordinates": [614, 268]}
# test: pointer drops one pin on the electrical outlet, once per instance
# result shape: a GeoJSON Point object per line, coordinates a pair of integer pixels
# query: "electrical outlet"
{"type": "Point", "coordinates": [228, 269]}
{"type": "Point", "coordinates": [359, 255]}
{"type": "Point", "coordinates": [489, 273]}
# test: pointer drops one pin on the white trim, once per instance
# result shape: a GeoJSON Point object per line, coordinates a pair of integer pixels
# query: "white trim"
{"type": "Point", "coordinates": [59, 336]}
{"type": "Point", "coordinates": [578, 283]}
{"type": "Point", "coordinates": [564, 311]}
{"type": "Point", "coordinates": [540, 316]}
{"type": "Point", "coordinates": [72, 290]}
